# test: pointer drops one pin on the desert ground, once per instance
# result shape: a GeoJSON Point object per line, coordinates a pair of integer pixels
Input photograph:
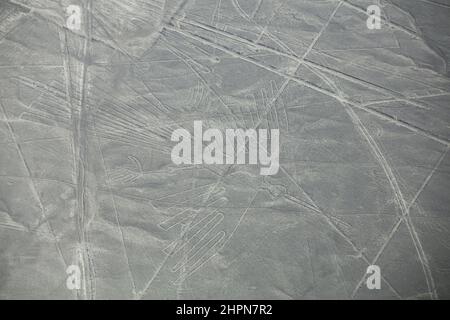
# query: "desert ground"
{"type": "Point", "coordinates": [93, 207]}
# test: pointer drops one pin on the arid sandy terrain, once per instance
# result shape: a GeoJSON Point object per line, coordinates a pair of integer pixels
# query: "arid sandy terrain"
{"type": "Point", "coordinates": [93, 207]}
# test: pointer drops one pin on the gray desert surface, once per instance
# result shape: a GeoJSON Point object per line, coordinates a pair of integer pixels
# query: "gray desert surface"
{"type": "Point", "coordinates": [93, 207]}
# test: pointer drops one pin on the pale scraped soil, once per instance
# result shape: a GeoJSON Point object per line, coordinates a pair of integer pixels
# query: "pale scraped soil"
{"type": "Point", "coordinates": [86, 176]}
